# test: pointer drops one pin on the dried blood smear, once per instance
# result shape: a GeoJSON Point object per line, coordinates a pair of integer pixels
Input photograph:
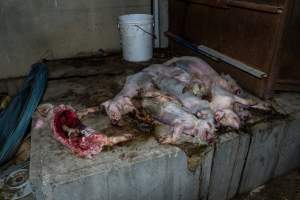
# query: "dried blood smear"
{"type": "Point", "coordinates": [83, 145]}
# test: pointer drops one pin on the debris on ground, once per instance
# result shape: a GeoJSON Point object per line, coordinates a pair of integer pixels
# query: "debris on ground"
{"type": "Point", "coordinates": [14, 182]}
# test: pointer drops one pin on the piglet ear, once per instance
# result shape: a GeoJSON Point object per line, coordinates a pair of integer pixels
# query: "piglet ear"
{"type": "Point", "coordinates": [45, 109]}
{"type": "Point", "coordinates": [201, 115]}
{"type": "Point", "coordinates": [105, 104]}
{"type": "Point", "coordinates": [127, 100]}
{"type": "Point", "coordinates": [219, 115]}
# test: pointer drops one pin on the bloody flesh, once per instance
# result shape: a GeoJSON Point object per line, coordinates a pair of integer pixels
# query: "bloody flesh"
{"type": "Point", "coordinates": [83, 145]}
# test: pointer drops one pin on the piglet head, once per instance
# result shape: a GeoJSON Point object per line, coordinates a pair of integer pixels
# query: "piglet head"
{"type": "Point", "coordinates": [181, 75]}
{"type": "Point", "coordinates": [112, 110]}
{"type": "Point", "coordinates": [227, 117]}
{"type": "Point", "coordinates": [204, 114]}
{"type": "Point", "coordinates": [230, 84]}
{"type": "Point", "coordinates": [117, 107]}
{"type": "Point", "coordinates": [206, 131]}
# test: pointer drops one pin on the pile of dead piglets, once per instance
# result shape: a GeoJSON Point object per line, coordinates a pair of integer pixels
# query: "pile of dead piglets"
{"type": "Point", "coordinates": [187, 96]}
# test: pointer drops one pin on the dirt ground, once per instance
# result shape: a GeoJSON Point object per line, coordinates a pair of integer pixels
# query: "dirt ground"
{"type": "Point", "coordinates": [286, 187]}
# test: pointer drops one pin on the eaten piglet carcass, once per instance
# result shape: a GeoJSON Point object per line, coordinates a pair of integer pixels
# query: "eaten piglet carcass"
{"type": "Point", "coordinates": [167, 110]}
{"type": "Point", "coordinates": [204, 74]}
{"type": "Point", "coordinates": [121, 104]}
{"type": "Point", "coordinates": [80, 139]}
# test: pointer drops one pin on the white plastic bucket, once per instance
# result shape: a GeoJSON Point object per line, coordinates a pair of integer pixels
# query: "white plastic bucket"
{"type": "Point", "coordinates": [136, 33]}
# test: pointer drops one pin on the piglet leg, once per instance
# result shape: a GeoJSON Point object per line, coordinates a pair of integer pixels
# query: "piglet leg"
{"type": "Point", "coordinates": [171, 139]}
{"type": "Point", "coordinates": [246, 102]}
{"type": "Point", "coordinates": [87, 111]}
{"type": "Point", "coordinates": [253, 104]}
{"type": "Point", "coordinates": [118, 139]}
{"type": "Point", "coordinates": [121, 104]}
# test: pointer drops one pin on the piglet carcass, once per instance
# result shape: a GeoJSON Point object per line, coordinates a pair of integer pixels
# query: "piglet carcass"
{"type": "Point", "coordinates": [158, 70]}
{"type": "Point", "coordinates": [228, 107]}
{"type": "Point", "coordinates": [186, 96]}
{"type": "Point", "coordinates": [80, 139]}
{"type": "Point", "coordinates": [204, 74]}
{"type": "Point", "coordinates": [167, 110]}
{"type": "Point", "coordinates": [121, 104]}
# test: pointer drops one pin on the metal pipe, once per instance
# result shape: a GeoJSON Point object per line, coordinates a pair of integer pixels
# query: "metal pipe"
{"type": "Point", "coordinates": [189, 45]}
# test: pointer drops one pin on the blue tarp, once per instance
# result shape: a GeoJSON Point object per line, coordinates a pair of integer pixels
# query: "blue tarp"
{"type": "Point", "coordinates": [15, 119]}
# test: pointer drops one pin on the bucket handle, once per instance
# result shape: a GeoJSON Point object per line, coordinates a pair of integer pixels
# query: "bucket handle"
{"type": "Point", "coordinates": [154, 36]}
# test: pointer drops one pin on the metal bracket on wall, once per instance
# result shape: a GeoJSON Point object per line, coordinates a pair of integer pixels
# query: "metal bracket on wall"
{"type": "Point", "coordinates": [226, 59]}
{"type": "Point", "coordinates": [217, 56]}
{"type": "Point", "coordinates": [239, 4]}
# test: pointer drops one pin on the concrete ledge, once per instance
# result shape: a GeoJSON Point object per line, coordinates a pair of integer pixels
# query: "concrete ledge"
{"type": "Point", "coordinates": [143, 169]}
{"type": "Point", "coordinates": [140, 170]}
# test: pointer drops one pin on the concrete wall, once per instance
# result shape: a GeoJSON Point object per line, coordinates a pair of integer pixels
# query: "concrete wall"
{"type": "Point", "coordinates": [35, 29]}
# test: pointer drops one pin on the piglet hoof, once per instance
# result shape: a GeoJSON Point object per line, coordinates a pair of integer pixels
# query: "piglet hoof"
{"type": "Point", "coordinates": [129, 136]}
{"type": "Point", "coordinates": [115, 122]}
{"type": "Point", "coordinates": [202, 115]}
{"type": "Point", "coordinates": [87, 111]}
{"type": "Point", "coordinates": [167, 140]}
{"type": "Point", "coordinates": [118, 139]}
{"type": "Point", "coordinates": [267, 106]}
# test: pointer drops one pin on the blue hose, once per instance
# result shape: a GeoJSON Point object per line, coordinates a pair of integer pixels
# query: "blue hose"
{"type": "Point", "coordinates": [15, 119]}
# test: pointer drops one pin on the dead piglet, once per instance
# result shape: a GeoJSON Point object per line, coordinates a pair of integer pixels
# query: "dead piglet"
{"type": "Point", "coordinates": [159, 70]}
{"type": "Point", "coordinates": [190, 102]}
{"type": "Point", "coordinates": [193, 65]}
{"type": "Point", "coordinates": [230, 84]}
{"type": "Point", "coordinates": [223, 99]}
{"type": "Point", "coordinates": [117, 107]}
{"type": "Point", "coordinates": [171, 113]}
{"type": "Point", "coordinates": [226, 117]}
{"type": "Point", "coordinates": [242, 111]}
{"type": "Point", "coordinates": [121, 104]}
{"type": "Point", "coordinates": [199, 107]}
{"type": "Point", "coordinates": [203, 72]}
{"type": "Point", "coordinates": [222, 103]}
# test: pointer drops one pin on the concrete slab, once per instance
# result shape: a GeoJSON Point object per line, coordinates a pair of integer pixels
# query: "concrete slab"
{"type": "Point", "coordinates": [228, 163]}
{"type": "Point", "coordinates": [289, 153]}
{"type": "Point", "coordinates": [205, 172]}
{"type": "Point", "coordinates": [139, 170]}
{"type": "Point", "coordinates": [263, 154]}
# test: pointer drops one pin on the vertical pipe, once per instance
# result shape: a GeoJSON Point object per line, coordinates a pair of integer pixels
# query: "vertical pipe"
{"type": "Point", "coordinates": [155, 9]}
